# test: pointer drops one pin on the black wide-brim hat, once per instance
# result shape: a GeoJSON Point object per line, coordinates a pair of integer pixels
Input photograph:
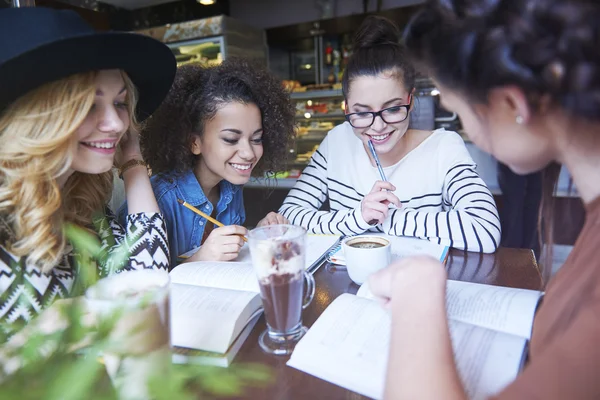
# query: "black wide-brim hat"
{"type": "Point", "coordinates": [40, 45]}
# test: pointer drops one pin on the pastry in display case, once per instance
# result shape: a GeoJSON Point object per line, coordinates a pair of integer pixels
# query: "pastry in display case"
{"type": "Point", "coordinates": [209, 41]}
{"type": "Point", "coordinates": [317, 112]}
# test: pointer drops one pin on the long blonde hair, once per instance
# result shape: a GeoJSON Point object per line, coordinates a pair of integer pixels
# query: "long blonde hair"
{"type": "Point", "coordinates": [37, 142]}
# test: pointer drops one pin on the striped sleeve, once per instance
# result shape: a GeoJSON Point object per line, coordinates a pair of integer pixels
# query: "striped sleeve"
{"type": "Point", "coordinates": [302, 204]}
{"type": "Point", "coordinates": [470, 223]}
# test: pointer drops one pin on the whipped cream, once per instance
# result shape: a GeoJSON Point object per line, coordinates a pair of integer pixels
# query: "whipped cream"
{"type": "Point", "coordinates": [277, 257]}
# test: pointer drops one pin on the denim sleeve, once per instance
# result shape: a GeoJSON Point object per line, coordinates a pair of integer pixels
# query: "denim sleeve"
{"type": "Point", "coordinates": [241, 209]}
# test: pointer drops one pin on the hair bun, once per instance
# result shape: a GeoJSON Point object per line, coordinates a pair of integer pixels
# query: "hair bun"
{"type": "Point", "coordinates": [376, 31]}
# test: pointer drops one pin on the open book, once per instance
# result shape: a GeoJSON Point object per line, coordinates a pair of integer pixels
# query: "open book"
{"type": "Point", "coordinates": [489, 325]}
{"type": "Point", "coordinates": [184, 355]}
{"type": "Point", "coordinates": [401, 247]}
{"type": "Point", "coordinates": [212, 303]}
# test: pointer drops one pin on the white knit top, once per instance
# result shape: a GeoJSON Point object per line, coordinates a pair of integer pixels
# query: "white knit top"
{"type": "Point", "coordinates": [443, 198]}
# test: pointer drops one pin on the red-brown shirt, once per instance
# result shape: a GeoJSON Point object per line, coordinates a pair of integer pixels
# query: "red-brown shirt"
{"type": "Point", "coordinates": [565, 345]}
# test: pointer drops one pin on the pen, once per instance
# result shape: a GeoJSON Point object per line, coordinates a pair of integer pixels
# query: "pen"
{"type": "Point", "coordinates": [378, 163]}
{"type": "Point", "coordinates": [374, 154]}
{"type": "Point", "coordinates": [200, 213]}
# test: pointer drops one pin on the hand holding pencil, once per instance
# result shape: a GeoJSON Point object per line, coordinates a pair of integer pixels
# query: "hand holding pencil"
{"type": "Point", "coordinates": [223, 243]}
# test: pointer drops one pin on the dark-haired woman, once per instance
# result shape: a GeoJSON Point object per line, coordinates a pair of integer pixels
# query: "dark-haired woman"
{"type": "Point", "coordinates": [432, 181]}
{"type": "Point", "coordinates": [217, 127]}
{"type": "Point", "coordinates": [524, 76]}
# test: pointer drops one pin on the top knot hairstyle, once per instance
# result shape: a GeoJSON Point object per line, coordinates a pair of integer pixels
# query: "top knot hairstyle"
{"type": "Point", "coordinates": [549, 48]}
{"type": "Point", "coordinates": [377, 49]}
{"type": "Point", "coordinates": [196, 96]}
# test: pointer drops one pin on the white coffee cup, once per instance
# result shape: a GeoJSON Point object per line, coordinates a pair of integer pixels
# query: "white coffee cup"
{"type": "Point", "coordinates": [365, 255]}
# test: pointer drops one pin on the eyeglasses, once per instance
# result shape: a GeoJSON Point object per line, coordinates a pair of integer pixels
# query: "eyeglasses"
{"type": "Point", "coordinates": [390, 115]}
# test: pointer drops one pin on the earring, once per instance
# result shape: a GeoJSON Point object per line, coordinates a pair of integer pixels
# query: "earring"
{"type": "Point", "coordinates": [519, 120]}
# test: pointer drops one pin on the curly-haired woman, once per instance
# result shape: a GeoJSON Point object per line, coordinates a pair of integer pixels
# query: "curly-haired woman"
{"type": "Point", "coordinates": [524, 76]}
{"type": "Point", "coordinates": [217, 127]}
{"type": "Point", "coordinates": [62, 128]}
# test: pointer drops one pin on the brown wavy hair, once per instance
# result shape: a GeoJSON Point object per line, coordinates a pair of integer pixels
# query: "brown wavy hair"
{"type": "Point", "coordinates": [37, 142]}
{"type": "Point", "coordinates": [548, 48]}
{"type": "Point", "coordinates": [195, 97]}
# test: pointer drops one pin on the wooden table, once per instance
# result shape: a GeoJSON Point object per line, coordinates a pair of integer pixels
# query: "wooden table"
{"type": "Point", "coordinates": [507, 267]}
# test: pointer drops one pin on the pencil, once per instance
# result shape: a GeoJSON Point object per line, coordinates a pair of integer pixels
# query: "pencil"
{"type": "Point", "coordinates": [204, 215]}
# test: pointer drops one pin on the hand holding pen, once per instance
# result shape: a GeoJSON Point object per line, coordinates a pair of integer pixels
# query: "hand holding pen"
{"type": "Point", "coordinates": [375, 205]}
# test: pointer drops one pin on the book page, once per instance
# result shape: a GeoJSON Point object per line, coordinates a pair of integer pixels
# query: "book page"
{"type": "Point", "coordinates": [500, 308]}
{"type": "Point", "coordinates": [486, 360]}
{"type": "Point", "coordinates": [317, 246]}
{"type": "Point", "coordinates": [365, 292]}
{"type": "Point", "coordinates": [209, 318]}
{"type": "Point", "coordinates": [184, 355]}
{"type": "Point", "coordinates": [348, 346]}
{"type": "Point", "coordinates": [504, 309]}
{"type": "Point", "coordinates": [224, 275]}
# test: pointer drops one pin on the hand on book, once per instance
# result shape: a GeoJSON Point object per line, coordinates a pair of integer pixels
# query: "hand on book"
{"type": "Point", "coordinates": [273, 218]}
{"type": "Point", "coordinates": [406, 277]}
{"type": "Point", "coordinates": [374, 206]}
{"type": "Point", "coordinates": [223, 244]}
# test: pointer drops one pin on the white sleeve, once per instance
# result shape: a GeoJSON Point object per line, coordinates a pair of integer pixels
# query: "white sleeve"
{"type": "Point", "coordinates": [302, 204]}
{"type": "Point", "coordinates": [470, 220]}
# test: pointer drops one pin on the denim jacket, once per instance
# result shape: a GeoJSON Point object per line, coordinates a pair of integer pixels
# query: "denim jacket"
{"type": "Point", "coordinates": [184, 227]}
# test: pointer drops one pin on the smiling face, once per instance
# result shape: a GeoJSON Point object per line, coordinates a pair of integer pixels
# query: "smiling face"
{"type": "Point", "coordinates": [375, 93]}
{"type": "Point", "coordinates": [231, 144]}
{"type": "Point", "coordinates": [104, 125]}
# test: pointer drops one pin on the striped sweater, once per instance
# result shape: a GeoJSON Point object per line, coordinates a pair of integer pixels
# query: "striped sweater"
{"type": "Point", "coordinates": [443, 198]}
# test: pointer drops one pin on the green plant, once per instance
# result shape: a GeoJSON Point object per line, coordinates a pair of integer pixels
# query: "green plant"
{"type": "Point", "coordinates": [63, 362]}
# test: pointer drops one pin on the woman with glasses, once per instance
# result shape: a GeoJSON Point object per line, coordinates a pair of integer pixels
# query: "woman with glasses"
{"type": "Point", "coordinates": [429, 187]}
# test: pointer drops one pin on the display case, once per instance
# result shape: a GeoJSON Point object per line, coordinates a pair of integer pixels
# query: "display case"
{"type": "Point", "coordinates": [317, 113]}
{"type": "Point", "coordinates": [211, 40]}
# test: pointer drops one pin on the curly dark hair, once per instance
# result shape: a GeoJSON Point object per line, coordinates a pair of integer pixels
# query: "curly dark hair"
{"type": "Point", "coordinates": [548, 48]}
{"type": "Point", "coordinates": [196, 96]}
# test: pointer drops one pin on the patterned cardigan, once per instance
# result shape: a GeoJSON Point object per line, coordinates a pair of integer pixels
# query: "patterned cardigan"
{"type": "Point", "coordinates": [25, 290]}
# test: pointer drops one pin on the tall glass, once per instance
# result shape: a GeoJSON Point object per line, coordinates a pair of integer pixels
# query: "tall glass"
{"type": "Point", "coordinates": [278, 254]}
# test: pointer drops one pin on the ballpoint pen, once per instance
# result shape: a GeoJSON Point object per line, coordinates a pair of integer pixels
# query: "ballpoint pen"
{"type": "Point", "coordinates": [380, 168]}
{"type": "Point", "coordinates": [374, 154]}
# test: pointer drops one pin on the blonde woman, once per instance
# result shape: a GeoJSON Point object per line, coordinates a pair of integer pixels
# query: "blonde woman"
{"type": "Point", "coordinates": [62, 128]}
